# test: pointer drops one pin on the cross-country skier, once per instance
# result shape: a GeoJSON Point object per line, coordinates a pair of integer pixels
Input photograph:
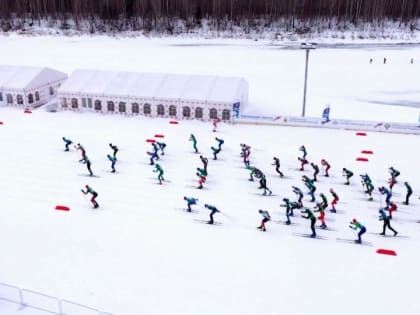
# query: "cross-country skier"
{"type": "Point", "coordinates": [202, 171]}
{"type": "Point", "coordinates": [113, 160]}
{"type": "Point", "coordinates": [299, 194]}
{"type": "Point", "coordinates": [213, 210]}
{"type": "Point", "coordinates": [310, 215]}
{"type": "Point", "coordinates": [277, 164]}
{"type": "Point", "coordinates": [320, 207]}
{"type": "Point", "coordinates": [263, 185]}
{"type": "Point", "coordinates": [324, 201]}
{"type": "Point", "coordinates": [290, 206]}
{"type": "Point", "coordinates": [303, 162]}
{"type": "Point", "coordinates": [408, 194]}
{"type": "Point", "coordinates": [303, 149]}
{"type": "Point", "coordinates": [367, 183]}
{"type": "Point", "coordinates": [316, 170]}
{"type": "Point", "coordinates": [387, 193]}
{"type": "Point", "coordinates": [89, 190]}
{"type": "Point", "coordinates": [387, 220]}
{"type": "Point", "coordinates": [158, 169]}
{"type": "Point", "coordinates": [219, 142]}
{"type": "Point", "coordinates": [266, 218]}
{"type": "Point", "coordinates": [215, 122]}
{"type": "Point", "coordinates": [216, 151]}
{"type": "Point", "coordinates": [255, 172]}
{"type": "Point", "coordinates": [194, 141]}
{"type": "Point", "coordinates": [347, 174]}
{"type": "Point", "coordinates": [85, 160]}
{"type": "Point", "coordinates": [67, 143]}
{"type": "Point", "coordinates": [201, 180]}
{"type": "Point", "coordinates": [326, 167]}
{"type": "Point", "coordinates": [334, 201]}
{"type": "Point", "coordinates": [310, 185]}
{"type": "Point", "coordinates": [82, 149]}
{"type": "Point", "coordinates": [162, 146]}
{"type": "Point", "coordinates": [114, 150]}
{"type": "Point", "coordinates": [391, 208]}
{"type": "Point", "coordinates": [394, 174]}
{"type": "Point", "coordinates": [355, 225]}
{"type": "Point", "coordinates": [205, 162]}
{"type": "Point", "coordinates": [190, 201]}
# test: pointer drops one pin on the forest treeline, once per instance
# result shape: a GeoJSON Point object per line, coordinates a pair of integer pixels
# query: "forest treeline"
{"type": "Point", "coordinates": [137, 14]}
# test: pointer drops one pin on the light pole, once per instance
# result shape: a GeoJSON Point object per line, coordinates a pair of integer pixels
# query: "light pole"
{"type": "Point", "coordinates": [307, 47]}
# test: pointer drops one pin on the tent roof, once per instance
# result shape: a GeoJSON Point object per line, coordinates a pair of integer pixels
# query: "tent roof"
{"type": "Point", "coordinates": [27, 77]}
{"type": "Point", "coordinates": [154, 85]}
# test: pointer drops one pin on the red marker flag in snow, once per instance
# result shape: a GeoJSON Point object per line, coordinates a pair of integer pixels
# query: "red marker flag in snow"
{"type": "Point", "coordinates": [62, 208]}
{"type": "Point", "coordinates": [27, 111]}
{"type": "Point", "coordinates": [159, 136]}
{"type": "Point", "coordinates": [362, 159]}
{"type": "Point", "coordinates": [360, 133]}
{"type": "Point", "coordinates": [150, 140]}
{"type": "Point", "coordinates": [173, 122]}
{"type": "Point", "coordinates": [1, 123]}
{"type": "Point", "coordinates": [389, 252]}
{"type": "Point", "coordinates": [367, 152]}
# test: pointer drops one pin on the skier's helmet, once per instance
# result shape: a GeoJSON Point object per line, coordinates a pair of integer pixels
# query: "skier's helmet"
{"type": "Point", "coordinates": [354, 220]}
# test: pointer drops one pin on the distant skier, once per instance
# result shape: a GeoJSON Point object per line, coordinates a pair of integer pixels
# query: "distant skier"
{"type": "Point", "coordinates": [82, 150]}
{"type": "Point", "coordinates": [316, 170]}
{"type": "Point", "coordinates": [89, 190]}
{"type": "Point", "coordinates": [266, 218]}
{"type": "Point", "coordinates": [203, 171]}
{"type": "Point", "coordinates": [394, 174]}
{"type": "Point", "coordinates": [320, 207]}
{"type": "Point", "coordinates": [255, 172]}
{"type": "Point", "coordinates": [216, 151]}
{"type": "Point", "coordinates": [153, 156]}
{"type": "Point", "coordinates": [215, 122]}
{"type": "Point", "coordinates": [347, 174]}
{"type": "Point", "coordinates": [194, 141]}
{"type": "Point", "coordinates": [277, 164]}
{"type": "Point", "coordinates": [290, 206]}
{"type": "Point", "coordinates": [213, 210]}
{"type": "Point", "coordinates": [67, 143]}
{"type": "Point", "coordinates": [158, 169]}
{"type": "Point", "coordinates": [387, 193]}
{"type": "Point", "coordinates": [263, 185]}
{"type": "Point", "coordinates": [162, 146]}
{"type": "Point", "coordinates": [326, 167]}
{"type": "Point", "coordinates": [387, 222]}
{"type": "Point", "coordinates": [367, 183]}
{"type": "Point", "coordinates": [86, 161]}
{"type": "Point", "coordinates": [190, 201]}
{"type": "Point", "coordinates": [310, 215]}
{"type": "Point", "coordinates": [245, 157]}
{"type": "Point", "coordinates": [334, 201]}
{"type": "Point", "coordinates": [310, 185]}
{"type": "Point", "coordinates": [201, 180]}
{"type": "Point", "coordinates": [219, 142]}
{"type": "Point", "coordinates": [114, 150]}
{"type": "Point", "coordinates": [113, 160]}
{"type": "Point", "coordinates": [391, 208]}
{"type": "Point", "coordinates": [299, 194]}
{"type": "Point", "coordinates": [303, 149]}
{"type": "Point", "coordinates": [355, 225]}
{"type": "Point", "coordinates": [303, 162]}
{"type": "Point", "coordinates": [408, 194]}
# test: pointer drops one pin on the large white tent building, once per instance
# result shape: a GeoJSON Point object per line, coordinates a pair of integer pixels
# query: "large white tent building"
{"type": "Point", "coordinates": [27, 86]}
{"type": "Point", "coordinates": [176, 96]}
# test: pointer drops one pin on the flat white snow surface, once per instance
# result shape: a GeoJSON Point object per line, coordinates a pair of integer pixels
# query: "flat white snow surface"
{"type": "Point", "coordinates": [341, 77]}
{"type": "Point", "coordinates": [139, 253]}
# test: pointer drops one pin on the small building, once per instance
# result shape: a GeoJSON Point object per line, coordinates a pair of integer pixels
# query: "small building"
{"type": "Point", "coordinates": [27, 86]}
{"type": "Point", "coordinates": [176, 96]}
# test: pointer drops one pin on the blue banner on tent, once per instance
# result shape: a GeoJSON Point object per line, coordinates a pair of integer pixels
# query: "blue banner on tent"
{"type": "Point", "coordinates": [235, 109]}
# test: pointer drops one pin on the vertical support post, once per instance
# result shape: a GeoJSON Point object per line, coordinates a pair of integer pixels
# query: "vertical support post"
{"type": "Point", "coordinates": [305, 84]}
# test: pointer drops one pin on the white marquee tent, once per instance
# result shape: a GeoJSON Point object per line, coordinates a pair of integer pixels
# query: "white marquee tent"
{"type": "Point", "coordinates": [177, 96]}
{"type": "Point", "coordinates": [27, 86]}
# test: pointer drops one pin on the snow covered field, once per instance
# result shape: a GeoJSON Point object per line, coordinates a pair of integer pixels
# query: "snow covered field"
{"type": "Point", "coordinates": [139, 253]}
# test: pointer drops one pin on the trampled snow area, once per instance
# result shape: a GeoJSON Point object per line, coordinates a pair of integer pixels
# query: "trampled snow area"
{"type": "Point", "coordinates": [139, 253]}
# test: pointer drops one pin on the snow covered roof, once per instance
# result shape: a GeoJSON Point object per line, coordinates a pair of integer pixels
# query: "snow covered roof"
{"type": "Point", "coordinates": [155, 85]}
{"type": "Point", "coordinates": [27, 77]}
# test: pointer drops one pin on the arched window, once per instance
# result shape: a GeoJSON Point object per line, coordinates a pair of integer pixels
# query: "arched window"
{"type": "Point", "coordinates": [121, 107]}
{"type": "Point", "coordinates": [213, 113]}
{"type": "Point", "coordinates": [226, 114]}
{"type": "Point", "coordinates": [147, 109]}
{"type": "Point", "coordinates": [36, 96]}
{"type": "Point", "coordinates": [135, 108]}
{"type": "Point", "coordinates": [160, 110]}
{"type": "Point", "coordinates": [74, 103]}
{"type": "Point", "coordinates": [19, 98]}
{"type": "Point", "coordinates": [30, 98]}
{"type": "Point", "coordinates": [186, 111]}
{"type": "Point", "coordinates": [110, 106]}
{"type": "Point", "coordinates": [98, 105]}
{"type": "Point", "coordinates": [9, 98]}
{"type": "Point", "coordinates": [172, 110]}
{"type": "Point", "coordinates": [199, 113]}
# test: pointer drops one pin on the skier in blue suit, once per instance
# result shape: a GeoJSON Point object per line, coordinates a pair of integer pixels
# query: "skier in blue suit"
{"type": "Point", "coordinates": [213, 210]}
{"type": "Point", "coordinates": [67, 143]}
